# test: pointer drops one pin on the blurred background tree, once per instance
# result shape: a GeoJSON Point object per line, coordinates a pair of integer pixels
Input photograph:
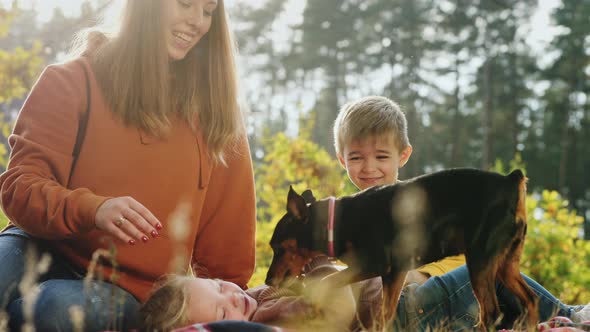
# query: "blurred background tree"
{"type": "Point", "coordinates": [555, 254]}
{"type": "Point", "coordinates": [19, 68]}
{"type": "Point", "coordinates": [27, 46]}
{"type": "Point", "coordinates": [473, 82]}
{"type": "Point", "coordinates": [476, 90]}
{"type": "Point", "coordinates": [476, 83]}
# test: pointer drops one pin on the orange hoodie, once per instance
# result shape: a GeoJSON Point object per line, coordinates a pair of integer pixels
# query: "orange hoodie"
{"type": "Point", "coordinates": [123, 161]}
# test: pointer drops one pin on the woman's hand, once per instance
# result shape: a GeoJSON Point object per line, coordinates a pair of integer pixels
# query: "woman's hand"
{"type": "Point", "coordinates": [127, 220]}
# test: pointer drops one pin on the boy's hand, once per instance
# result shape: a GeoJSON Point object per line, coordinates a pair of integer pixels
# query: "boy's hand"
{"type": "Point", "coordinates": [416, 277]}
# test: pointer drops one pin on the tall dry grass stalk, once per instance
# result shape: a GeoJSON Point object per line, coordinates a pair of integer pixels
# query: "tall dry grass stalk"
{"type": "Point", "coordinates": [179, 230]}
{"type": "Point", "coordinates": [3, 321]}
{"type": "Point", "coordinates": [28, 287]}
{"type": "Point", "coordinates": [338, 315]}
{"type": "Point", "coordinates": [95, 273]}
{"type": "Point", "coordinates": [77, 318]}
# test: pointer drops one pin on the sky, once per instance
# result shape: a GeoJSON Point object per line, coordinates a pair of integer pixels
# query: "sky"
{"type": "Point", "coordinates": [72, 7]}
{"type": "Point", "coordinates": [540, 19]}
{"type": "Point", "coordinates": [541, 33]}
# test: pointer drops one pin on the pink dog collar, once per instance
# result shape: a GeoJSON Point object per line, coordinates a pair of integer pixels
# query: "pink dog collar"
{"type": "Point", "coordinates": [331, 204]}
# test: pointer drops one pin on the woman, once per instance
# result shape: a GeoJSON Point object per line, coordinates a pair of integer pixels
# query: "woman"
{"type": "Point", "coordinates": [163, 130]}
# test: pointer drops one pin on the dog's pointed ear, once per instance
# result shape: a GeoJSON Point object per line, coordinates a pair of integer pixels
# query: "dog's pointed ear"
{"type": "Point", "coordinates": [296, 204]}
{"type": "Point", "coordinates": [308, 196]}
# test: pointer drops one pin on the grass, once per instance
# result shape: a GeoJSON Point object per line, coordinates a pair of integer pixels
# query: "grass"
{"type": "Point", "coordinates": [35, 266]}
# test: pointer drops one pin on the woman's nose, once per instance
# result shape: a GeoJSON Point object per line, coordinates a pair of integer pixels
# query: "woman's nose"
{"type": "Point", "coordinates": [195, 16]}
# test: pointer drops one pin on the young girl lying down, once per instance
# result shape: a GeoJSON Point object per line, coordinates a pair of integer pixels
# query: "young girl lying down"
{"type": "Point", "coordinates": [180, 301]}
{"type": "Point", "coordinates": [184, 300]}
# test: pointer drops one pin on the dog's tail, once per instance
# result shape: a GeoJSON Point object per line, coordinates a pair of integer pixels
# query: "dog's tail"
{"type": "Point", "coordinates": [517, 176]}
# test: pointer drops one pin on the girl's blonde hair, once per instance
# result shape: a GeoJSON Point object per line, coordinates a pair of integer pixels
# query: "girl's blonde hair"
{"type": "Point", "coordinates": [146, 90]}
{"type": "Point", "coordinates": [167, 306]}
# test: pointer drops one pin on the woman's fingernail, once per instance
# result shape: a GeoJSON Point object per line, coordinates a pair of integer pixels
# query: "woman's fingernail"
{"type": "Point", "coordinates": [154, 234]}
{"type": "Point", "coordinates": [144, 238]}
{"type": "Point", "coordinates": [132, 242]}
{"type": "Point", "coordinates": [158, 226]}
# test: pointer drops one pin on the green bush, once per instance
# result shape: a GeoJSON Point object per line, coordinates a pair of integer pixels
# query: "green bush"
{"type": "Point", "coordinates": [555, 253]}
{"type": "Point", "coordinates": [290, 161]}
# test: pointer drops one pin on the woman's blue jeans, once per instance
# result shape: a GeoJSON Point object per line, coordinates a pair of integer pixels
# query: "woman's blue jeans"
{"type": "Point", "coordinates": [448, 301]}
{"type": "Point", "coordinates": [104, 305]}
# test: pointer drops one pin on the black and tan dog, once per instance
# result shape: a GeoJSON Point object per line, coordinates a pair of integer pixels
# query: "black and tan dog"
{"type": "Point", "coordinates": [385, 231]}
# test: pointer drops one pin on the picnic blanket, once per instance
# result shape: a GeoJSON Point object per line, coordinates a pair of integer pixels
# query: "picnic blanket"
{"type": "Point", "coordinates": [559, 324]}
{"type": "Point", "coordinates": [230, 326]}
{"type": "Point", "coordinates": [556, 324]}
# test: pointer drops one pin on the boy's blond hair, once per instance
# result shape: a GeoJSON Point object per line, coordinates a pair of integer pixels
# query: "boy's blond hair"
{"type": "Point", "coordinates": [370, 116]}
{"type": "Point", "coordinates": [166, 308]}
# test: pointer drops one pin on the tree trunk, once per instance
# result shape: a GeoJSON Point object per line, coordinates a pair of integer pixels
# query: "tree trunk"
{"type": "Point", "coordinates": [486, 123]}
{"type": "Point", "coordinates": [456, 121]}
{"type": "Point", "coordinates": [514, 127]}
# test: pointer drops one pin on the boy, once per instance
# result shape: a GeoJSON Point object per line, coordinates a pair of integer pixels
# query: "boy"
{"type": "Point", "coordinates": [371, 141]}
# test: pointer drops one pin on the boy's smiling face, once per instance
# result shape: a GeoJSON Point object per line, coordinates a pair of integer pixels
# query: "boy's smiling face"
{"type": "Point", "coordinates": [373, 161]}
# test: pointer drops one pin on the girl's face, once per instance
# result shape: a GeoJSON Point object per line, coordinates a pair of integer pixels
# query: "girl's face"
{"type": "Point", "coordinates": [186, 22]}
{"type": "Point", "coordinates": [214, 299]}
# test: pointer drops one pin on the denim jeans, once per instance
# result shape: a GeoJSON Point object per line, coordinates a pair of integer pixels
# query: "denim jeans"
{"type": "Point", "coordinates": [448, 301]}
{"type": "Point", "coordinates": [104, 305]}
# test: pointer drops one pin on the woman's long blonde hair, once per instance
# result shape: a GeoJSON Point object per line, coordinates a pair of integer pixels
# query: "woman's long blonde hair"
{"type": "Point", "coordinates": [145, 89]}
